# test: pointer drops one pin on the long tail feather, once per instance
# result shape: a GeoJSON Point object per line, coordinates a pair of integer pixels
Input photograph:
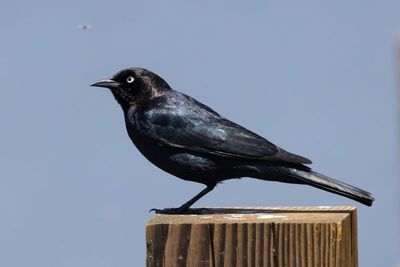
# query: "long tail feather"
{"type": "Point", "coordinates": [331, 185]}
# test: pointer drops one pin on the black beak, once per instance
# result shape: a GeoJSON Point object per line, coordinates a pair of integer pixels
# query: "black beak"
{"type": "Point", "coordinates": [108, 83]}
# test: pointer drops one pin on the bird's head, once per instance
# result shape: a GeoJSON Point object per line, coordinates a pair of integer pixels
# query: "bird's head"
{"type": "Point", "coordinates": [134, 85]}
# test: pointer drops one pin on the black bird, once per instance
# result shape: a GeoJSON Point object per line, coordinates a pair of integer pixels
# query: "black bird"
{"type": "Point", "coordinates": [187, 139]}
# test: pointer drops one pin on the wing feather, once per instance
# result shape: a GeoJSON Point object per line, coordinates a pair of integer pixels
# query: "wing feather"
{"type": "Point", "coordinates": [192, 127]}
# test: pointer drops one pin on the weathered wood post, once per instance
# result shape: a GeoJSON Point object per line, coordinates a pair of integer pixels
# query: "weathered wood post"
{"type": "Point", "coordinates": [265, 236]}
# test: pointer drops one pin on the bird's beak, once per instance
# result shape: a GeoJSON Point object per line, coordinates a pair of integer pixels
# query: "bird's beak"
{"type": "Point", "coordinates": [108, 83]}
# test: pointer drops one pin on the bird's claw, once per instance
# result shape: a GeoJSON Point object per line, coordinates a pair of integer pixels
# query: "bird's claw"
{"type": "Point", "coordinates": [155, 210]}
{"type": "Point", "coordinates": [169, 211]}
{"type": "Point", "coordinates": [181, 210]}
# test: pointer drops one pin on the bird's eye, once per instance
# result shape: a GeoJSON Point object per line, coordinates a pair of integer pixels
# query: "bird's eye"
{"type": "Point", "coordinates": [130, 79]}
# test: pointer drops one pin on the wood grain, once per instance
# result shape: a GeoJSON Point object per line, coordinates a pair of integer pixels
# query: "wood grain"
{"type": "Point", "coordinates": [255, 236]}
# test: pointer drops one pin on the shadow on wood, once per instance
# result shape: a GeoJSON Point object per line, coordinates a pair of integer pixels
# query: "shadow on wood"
{"type": "Point", "coordinates": [254, 236]}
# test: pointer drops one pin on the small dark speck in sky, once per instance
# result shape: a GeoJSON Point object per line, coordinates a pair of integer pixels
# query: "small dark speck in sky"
{"type": "Point", "coordinates": [85, 27]}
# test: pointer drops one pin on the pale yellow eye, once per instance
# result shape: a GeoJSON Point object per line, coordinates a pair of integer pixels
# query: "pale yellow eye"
{"type": "Point", "coordinates": [130, 79]}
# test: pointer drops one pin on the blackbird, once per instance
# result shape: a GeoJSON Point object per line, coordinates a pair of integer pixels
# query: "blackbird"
{"type": "Point", "coordinates": [188, 139]}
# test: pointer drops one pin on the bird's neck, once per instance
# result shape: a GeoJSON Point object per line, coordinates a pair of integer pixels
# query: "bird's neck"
{"type": "Point", "coordinates": [122, 102]}
{"type": "Point", "coordinates": [141, 98]}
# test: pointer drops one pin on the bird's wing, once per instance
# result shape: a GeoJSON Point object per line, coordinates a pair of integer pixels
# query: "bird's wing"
{"type": "Point", "coordinates": [196, 127]}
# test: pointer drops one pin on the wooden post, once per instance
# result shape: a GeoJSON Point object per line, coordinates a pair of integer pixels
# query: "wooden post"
{"type": "Point", "coordinates": [261, 236]}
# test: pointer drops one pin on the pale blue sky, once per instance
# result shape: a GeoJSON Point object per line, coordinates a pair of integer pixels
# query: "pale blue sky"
{"type": "Point", "coordinates": [316, 78]}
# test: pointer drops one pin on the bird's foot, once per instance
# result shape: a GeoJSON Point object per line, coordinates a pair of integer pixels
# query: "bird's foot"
{"type": "Point", "coordinates": [181, 210]}
{"type": "Point", "coordinates": [170, 211]}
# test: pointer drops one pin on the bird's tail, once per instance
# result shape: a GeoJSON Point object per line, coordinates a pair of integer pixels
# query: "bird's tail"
{"type": "Point", "coordinates": [331, 185]}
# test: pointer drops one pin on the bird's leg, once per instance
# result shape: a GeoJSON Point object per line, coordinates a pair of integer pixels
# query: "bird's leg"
{"type": "Point", "coordinates": [184, 208]}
